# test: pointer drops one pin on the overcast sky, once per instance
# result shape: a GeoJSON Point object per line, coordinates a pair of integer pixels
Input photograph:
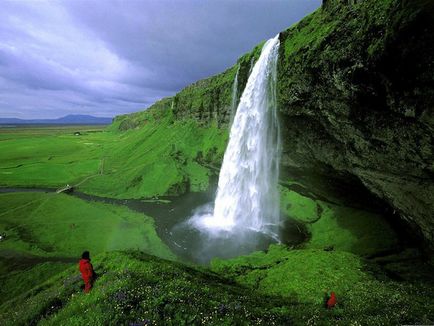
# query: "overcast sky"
{"type": "Point", "coordinates": [111, 57]}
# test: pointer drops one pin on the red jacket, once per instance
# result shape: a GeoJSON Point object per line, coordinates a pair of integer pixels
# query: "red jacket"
{"type": "Point", "coordinates": [86, 270]}
{"type": "Point", "coordinates": [332, 301]}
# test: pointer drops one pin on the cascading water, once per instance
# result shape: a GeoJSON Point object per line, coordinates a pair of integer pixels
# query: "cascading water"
{"type": "Point", "coordinates": [234, 99]}
{"type": "Point", "coordinates": [247, 195]}
{"type": "Point", "coordinates": [245, 214]}
{"type": "Point", "coordinates": [252, 63]}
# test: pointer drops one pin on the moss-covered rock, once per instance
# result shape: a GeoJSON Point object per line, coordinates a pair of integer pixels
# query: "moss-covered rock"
{"type": "Point", "coordinates": [339, 227]}
{"type": "Point", "coordinates": [356, 96]}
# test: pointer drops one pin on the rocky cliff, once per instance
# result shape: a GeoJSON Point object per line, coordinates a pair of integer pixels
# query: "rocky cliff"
{"type": "Point", "coordinates": [356, 100]}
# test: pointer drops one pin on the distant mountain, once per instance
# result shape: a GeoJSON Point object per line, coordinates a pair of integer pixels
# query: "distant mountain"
{"type": "Point", "coordinates": [66, 120]}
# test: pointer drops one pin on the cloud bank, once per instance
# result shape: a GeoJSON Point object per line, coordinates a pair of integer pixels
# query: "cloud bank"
{"type": "Point", "coordinates": [112, 57]}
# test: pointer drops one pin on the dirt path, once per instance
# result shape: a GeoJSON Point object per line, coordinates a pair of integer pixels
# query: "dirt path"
{"type": "Point", "coordinates": [101, 172]}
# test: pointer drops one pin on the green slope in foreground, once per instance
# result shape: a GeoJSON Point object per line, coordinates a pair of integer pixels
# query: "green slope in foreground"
{"type": "Point", "coordinates": [47, 232]}
{"type": "Point", "coordinates": [273, 289]}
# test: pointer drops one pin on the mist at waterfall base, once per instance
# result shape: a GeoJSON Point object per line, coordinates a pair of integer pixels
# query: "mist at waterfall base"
{"type": "Point", "coordinates": [245, 215]}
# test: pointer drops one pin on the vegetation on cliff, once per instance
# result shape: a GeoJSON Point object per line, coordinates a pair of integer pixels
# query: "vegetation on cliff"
{"type": "Point", "coordinates": [356, 96]}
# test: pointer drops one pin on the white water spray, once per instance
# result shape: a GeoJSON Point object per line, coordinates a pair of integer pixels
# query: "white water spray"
{"type": "Point", "coordinates": [252, 62]}
{"type": "Point", "coordinates": [234, 99]}
{"type": "Point", "coordinates": [247, 195]}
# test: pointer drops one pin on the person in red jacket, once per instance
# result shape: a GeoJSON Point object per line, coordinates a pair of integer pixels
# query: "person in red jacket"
{"type": "Point", "coordinates": [331, 302]}
{"type": "Point", "coordinates": [86, 270]}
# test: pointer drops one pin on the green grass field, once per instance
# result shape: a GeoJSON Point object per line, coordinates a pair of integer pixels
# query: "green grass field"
{"type": "Point", "coordinates": [366, 295]}
{"type": "Point", "coordinates": [282, 287]}
{"type": "Point", "coordinates": [50, 156]}
{"type": "Point", "coordinates": [161, 157]}
{"type": "Point", "coordinates": [46, 233]}
{"type": "Point", "coordinates": [50, 224]}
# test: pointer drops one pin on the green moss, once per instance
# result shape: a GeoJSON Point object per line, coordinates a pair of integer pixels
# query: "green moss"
{"type": "Point", "coordinates": [341, 227]}
{"type": "Point", "coordinates": [299, 207]}
{"type": "Point", "coordinates": [302, 274]}
{"type": "Point", "coordinates": [308, 33]}
{"type": "Point", "coordinates": [353, 230]}
{"type": "Point", "coordinates": [364, 298]}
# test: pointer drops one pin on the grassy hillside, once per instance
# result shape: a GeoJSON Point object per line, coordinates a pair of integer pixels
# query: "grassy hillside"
{"type": "Point", "coordinates": [162, 156]}
{"type": "Point", "coordinates": [57, 225]}
{"type": "Point", "coordinates": [45, 233]}
{"type": "Point", "coordinates": [279, 288]}
{"type": "Point", "coordinates": [366, 295]}
{"type": "Point", "coordinates": [135, 288]}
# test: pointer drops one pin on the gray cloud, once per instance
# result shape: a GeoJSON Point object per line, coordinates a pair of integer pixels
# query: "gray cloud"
{"type": "Point", "coordinates": [112, 57]}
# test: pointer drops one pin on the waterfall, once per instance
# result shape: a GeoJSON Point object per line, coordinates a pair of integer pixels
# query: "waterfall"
{"type": "Point", "coordinates": [247, 195]}
{"type": "Point", "coordinates": [234, 98]}
{"type": "Point", "coordinates": [252, 62]}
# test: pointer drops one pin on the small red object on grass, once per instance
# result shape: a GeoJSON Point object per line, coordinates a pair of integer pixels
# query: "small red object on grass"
{"type": "Point", "coordinates": [331, 302]}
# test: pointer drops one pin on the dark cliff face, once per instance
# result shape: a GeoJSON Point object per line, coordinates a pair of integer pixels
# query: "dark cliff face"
{"type": "Point", "coordinates": [356, 102]}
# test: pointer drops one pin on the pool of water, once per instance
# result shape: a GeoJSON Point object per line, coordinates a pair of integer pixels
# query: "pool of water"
{"type": "Point", "coordinates": [171, 215]}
